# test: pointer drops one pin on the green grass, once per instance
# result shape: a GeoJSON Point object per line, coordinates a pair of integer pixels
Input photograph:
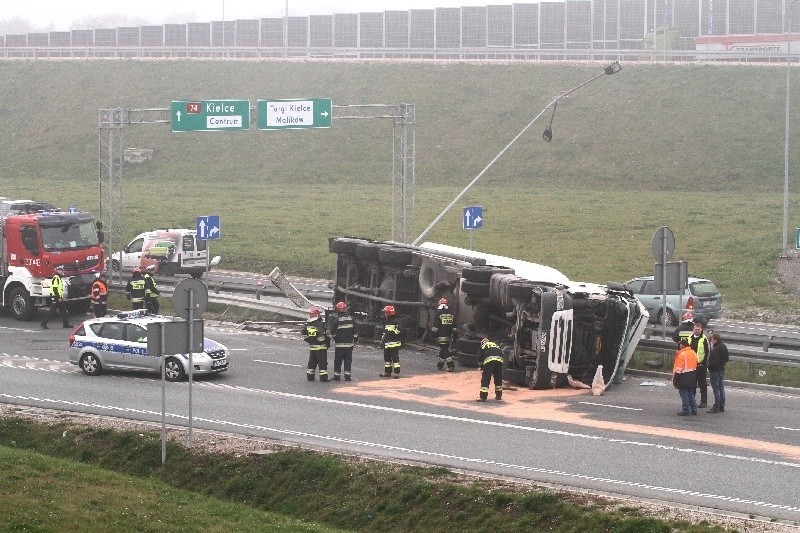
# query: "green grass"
{"type": "Point", "coordinates": [698, 148]}
{"type": "Point", "coordinates": [70, 478]}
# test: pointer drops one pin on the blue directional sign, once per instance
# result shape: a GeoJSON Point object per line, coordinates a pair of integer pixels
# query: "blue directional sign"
{"type": "Point", "coordinates": [208, 228]}
{"type": "Point", "coordinates": [473, 217]}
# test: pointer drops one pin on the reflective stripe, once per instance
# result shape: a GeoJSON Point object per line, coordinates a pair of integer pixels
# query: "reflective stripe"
{"type": "Point", "coordinates": [493, 359]}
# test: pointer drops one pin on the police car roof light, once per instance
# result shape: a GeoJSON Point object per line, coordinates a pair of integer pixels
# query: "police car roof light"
{"type": "Point", "coordinates": [133, 314]}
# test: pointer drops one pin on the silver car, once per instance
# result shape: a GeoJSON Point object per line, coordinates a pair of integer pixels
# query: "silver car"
{"type": "Point", "coordinates": [701, 298]}
{"type": "Point", "coordinates": [120, 343]}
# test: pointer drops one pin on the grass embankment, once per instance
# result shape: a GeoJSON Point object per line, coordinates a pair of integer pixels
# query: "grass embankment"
{"type": "Point", "coordinates": [698, 148]}
{"type": "Point", "coordinates": [67, 478]}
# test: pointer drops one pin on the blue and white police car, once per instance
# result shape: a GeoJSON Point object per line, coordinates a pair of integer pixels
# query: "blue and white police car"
{"type": "Point", "coordinates": [120, 343]}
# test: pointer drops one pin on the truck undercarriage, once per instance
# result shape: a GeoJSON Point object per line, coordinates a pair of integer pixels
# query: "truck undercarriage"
{"type": "Point", "coordinates": [548, 326]}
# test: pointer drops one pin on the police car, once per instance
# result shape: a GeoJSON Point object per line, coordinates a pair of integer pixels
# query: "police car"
{"type": "Point", "coordinates": [120, 343]}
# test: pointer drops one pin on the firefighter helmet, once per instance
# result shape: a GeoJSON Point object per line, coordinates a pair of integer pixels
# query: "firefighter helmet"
{"type": "Point", "coordinates": [443, 301]}
{"type": "Point", "coordinates": [687, 316]}
{"type": "Point", "coordinates": [340, 307]}
{"type": "Point", "coordinates": [314, 313]}
{"type": "Point", "coordinates": [484, 342]}
{"type": "Point", "coordinates": [389, 310]}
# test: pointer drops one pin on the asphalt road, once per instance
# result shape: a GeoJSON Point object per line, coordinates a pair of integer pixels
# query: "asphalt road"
{"type": "Point", "coordinates": [628, 441]}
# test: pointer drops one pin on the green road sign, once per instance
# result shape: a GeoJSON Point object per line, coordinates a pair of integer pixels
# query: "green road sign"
{"type": "Point", "coordinates": [210, 115]}
{"type": "Point", "coordinates": [294, 114]}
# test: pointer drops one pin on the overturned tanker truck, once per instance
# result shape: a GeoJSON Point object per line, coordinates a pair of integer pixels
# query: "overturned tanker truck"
{"type": "Point", "coordinates": [551, 329]}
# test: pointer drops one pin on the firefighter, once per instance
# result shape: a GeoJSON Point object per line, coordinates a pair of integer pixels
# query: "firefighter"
{"type": "Point", "coordinates": [151, 292]}
{"type": "Point", "coordinates": [100, 295]}
{"type": "Point", "coordinates": [391, 342]}
{"type": "Point", "coordinates": [314, 334]}
{"type": "Point", "coordinates": [686, 325]}
{"type": "Point", "coordinates": [344, 338]}
{"type": "Point", "coordinates": [490, 360]}
{"type": "Point", "coordinates": [57, 299]}
{"type": "Point", "coordinates": [443, 327]}
{"type": "Point", "coordinates": [135, 289]}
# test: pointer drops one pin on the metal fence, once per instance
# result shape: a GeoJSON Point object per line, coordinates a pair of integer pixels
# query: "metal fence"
{"type": "Point", "coordinates": [511, 31]}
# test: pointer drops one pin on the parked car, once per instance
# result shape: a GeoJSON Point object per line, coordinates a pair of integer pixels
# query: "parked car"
{"type": "Point", "coordinates": [120, 343]}
{"type": "Point", "coordinates": [701, 298]}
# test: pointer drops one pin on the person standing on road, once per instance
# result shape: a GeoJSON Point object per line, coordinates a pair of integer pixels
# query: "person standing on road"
{"type": "Point", "coordinates": [135, 289]}
{"type": "Point", "coordinates": [443, 328]}
{"type": "Point", "coordinates": [315, 335]}
{"type": "Point", "coordinates": [343, 331]}
{"type": "Point", "coordinates": [151, 292]}
{"type": "Point", "coordinates": [716, 368]}
{"type": "Point", "coordinates": [702, 347]}
{"type": "Point", "coordinates": [391, 342]}
{"type": "Point", "coordinates": [57, 300]}
{"type": "Point", "coordinates": [490, 360]}
{"type": "Point", "coordinates": [684, 377]}
{"type": "Point", "coordinates": [100, 295]}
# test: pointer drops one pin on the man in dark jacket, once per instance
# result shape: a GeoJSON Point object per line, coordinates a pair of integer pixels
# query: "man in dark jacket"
{"type": "Point", "coordinates": [135, 289]}
{"type": "Point", "coordinates": [344, 338]}
{"type": "Point", "coordinates": [716, 368]}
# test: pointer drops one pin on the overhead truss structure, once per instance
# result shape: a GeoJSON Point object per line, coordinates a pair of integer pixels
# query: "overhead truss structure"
{"type": "Point", "coordinates": [111, 129]}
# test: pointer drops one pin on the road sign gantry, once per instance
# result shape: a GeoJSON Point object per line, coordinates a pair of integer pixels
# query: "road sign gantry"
{"type": "Point", "coordinates": [210, 115]}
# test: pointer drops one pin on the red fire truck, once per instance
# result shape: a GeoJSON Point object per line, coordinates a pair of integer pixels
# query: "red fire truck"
{"type": "Point", "coordinates": [35, 239]}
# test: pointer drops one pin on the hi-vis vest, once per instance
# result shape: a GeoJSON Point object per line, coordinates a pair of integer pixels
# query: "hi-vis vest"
{"type": "Point", "coordinates": [701, 344]}
{"type": "Point", "coordinates": [56, 287]}
{"type": "Point", "coordinates": [391, 336]}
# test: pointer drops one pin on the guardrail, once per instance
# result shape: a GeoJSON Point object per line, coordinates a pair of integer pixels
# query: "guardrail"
{"type": "Point", "coordinates": [749, 348]}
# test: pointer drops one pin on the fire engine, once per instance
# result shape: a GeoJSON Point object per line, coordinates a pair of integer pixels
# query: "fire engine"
{"type": "Point", "coordinates": [552, 330]}
{"type": "Point", "coordinates": [35, 239]}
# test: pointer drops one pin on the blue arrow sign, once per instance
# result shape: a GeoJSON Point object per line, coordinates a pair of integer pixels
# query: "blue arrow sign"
{"type": "Point", "coordinates": [208, 228]}
{"type": "Point", "coordinates": [473, 217]}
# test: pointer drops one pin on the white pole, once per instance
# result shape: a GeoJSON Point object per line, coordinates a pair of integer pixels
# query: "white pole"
{"type": "Point", "coordinates": [784, 250]}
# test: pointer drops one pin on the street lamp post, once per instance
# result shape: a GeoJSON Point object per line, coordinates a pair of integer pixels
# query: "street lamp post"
{"type": "Point", "coordinates": [788, 15]}
{"type": "Point", "coordinates": [613, 68]}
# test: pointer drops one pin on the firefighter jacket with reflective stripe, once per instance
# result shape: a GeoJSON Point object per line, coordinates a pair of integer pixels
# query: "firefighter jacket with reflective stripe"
{"type": "Point", "coordinates": [56, 287]}
{"type": "Point", "coordinates": [99, 291]}
{"type": "Point", "coordinates": [700, 345]}
{"type": "Point", "coordinates": [135, 289]}
{"type": "Point", "coordinates": [150, 287]}
{"type": "Point", "coordinates": [490, 352]}
{"type": "Point", "coordinates": [391, 334]}
{"type": "Point", "coordinates": [343, 330]}
{"type": "Point", "coordinates": [315, 335]}
{"type": "Point", "coordinates": [443, 325]}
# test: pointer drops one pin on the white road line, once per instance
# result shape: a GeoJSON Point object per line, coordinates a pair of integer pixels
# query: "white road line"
{"type": "Point", "coordinates": [276, 363]}
{"type": "Point", "coordinates": [613, 406]}
{"type": "Point", "coordinates": [787, 429]}
{"type": "Point", "coordinates": [18, 329]}
{"type": "Point", "coordinates": [237, 349]}
{"type": "Point", "coordinates": [425, 453]}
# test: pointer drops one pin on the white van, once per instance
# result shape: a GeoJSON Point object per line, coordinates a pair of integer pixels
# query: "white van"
{"type": "Point", "coordinates": [167, 251]}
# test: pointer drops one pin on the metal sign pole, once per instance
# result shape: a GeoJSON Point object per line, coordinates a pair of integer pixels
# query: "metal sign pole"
{"type": "Point", "coordinates": [163, 395]}
{"type": "Point", "coordinates": [191, 360]}
{"type": "Point", "coordinates": [664, 284]}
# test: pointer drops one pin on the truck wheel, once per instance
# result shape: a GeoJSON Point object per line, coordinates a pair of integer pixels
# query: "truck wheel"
{"type": "Point", "coordinates": [22, 304]}
{"type": "Point", "coordinates": [395, 256]}
{"type": "Point", "coordinates": [483, 274]}
{"type": "Point", "coordinates": [431, 273]}
{"type": "Point", "coordinates": [475, 288]}
{"type": "Point", "coordinates": [468, 346]}
{"type": "Point", "coordinates": [467, 360]}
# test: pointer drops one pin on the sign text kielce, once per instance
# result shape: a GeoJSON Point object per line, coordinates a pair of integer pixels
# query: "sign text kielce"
{"type": "Point", "coordinates": [298, 113]}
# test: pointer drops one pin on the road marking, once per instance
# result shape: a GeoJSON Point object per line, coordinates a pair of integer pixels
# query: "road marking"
{"type": "Point", "coordinates": [18, 329]}
{"type": "Point", "coordinates": [613, 406]}
{"type": "Point", "coordinates": [276, 363]}
{"type": "Point", "coordinates": [237, 349]}
{"type": "Point", "coordinates": [425, 453]}
{"type": "Point", "coordinates": [787, 429]}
